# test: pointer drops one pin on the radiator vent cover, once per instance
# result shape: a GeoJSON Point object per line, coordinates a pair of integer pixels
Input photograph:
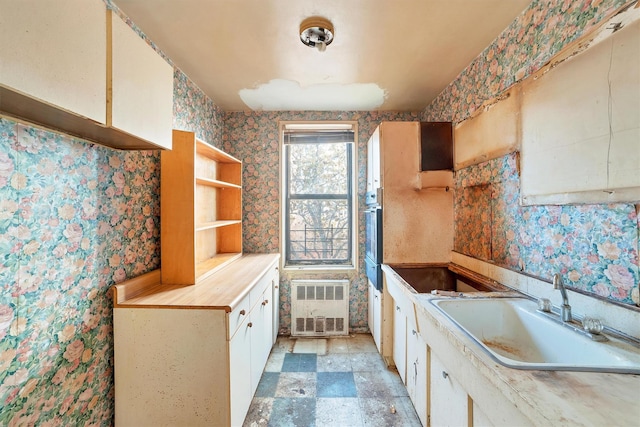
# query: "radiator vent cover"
{"type": "Point", "coordinates": [319, 307]}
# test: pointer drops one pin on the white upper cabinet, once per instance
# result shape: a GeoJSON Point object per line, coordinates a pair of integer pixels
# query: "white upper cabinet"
{"type": "Point", "coordinates": [54, 51]}
{"type": "Point", "coordinates": [141, 86]}
{"type": "Point", "coordinates": [77, 68]}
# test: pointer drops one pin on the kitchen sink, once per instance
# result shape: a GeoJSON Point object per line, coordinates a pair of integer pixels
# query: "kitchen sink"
{"type": "Point", "coordinates": [427, 278]}
{"type": "Point", "coordinates": [515, 334]}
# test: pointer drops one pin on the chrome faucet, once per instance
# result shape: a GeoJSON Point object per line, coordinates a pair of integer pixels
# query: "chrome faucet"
{"type": "Point", "coordinates": [565, 309]}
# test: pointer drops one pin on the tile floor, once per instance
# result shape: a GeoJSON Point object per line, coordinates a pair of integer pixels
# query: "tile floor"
{"type": "Point", "coordinates": [340, 382]}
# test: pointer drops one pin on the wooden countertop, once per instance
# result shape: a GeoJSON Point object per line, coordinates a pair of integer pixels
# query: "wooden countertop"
{"type": "Point", "coordinates": [223, 290]}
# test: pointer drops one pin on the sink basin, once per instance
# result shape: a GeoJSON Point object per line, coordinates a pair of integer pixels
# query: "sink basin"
{"type": "Point", "coordinates": [426, 278]}
{"type": "Point", "coordinates": [516, 335]}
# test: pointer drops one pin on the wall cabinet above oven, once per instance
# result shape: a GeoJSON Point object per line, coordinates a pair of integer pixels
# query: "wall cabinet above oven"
{"type": "Point", "coordinates": [417, 225]}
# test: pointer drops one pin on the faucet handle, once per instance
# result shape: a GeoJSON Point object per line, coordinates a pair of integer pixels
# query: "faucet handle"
{"type": "Point", "coordinates": [592, 325]}
{"type": "Point", "coordinates": [544, 304]}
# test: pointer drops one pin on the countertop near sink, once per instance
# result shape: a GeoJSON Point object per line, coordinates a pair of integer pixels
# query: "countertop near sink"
{"type": "Point", "coordinates": [544, 397]}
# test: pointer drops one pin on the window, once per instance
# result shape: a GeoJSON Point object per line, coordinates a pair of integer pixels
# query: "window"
{"type": "Point", "coordinates": [318, 194]}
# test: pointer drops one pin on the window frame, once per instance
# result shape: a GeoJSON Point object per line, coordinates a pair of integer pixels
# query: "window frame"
{"type": "Point", "coordinates": [353, 196]}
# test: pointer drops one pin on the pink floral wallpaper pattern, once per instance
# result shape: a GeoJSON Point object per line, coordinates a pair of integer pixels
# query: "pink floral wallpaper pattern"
{"type": "Point", "coordinates": [75, 218]}
{"type": "Point", "coordinates": [595, 247]}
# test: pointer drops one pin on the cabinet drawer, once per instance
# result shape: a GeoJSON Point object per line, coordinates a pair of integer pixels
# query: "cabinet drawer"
{"type": "Point", "coordinates": [258, 290]}
{"type": "Point", "coordinates": [237, 316]}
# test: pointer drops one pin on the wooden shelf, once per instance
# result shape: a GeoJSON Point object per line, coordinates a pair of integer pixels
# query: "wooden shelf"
{"type": "Point", "coordinates": [201, 210]}
{"type": "Point", "coordinates": [214, 153]}
{"type": "Point", "coordinates": [216, 183]}
{"type": "Point", "coordinates": [217, 224]}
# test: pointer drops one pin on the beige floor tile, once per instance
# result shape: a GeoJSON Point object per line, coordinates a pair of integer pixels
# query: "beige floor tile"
{"type": "Point", "coordinates": [296, 384]}
{"type": "Point", "coordinates": [338, 412]}
{"type": "Point", "coordinates": [379, 412]}
{"type": "Point", "coordinates": [274, 363]}
{"type": "Point", "coordinates": [283, 345]}
{"type": "Point", "coordinates": [310, 345]}
{"type": "Point", "coordinates": [367, 362]}
{"type": "Point", "coordinates": [336, 362]}
{"type": "Point", "coordinates": [362, 343]}
{"type": "Point", "coordinates": [338, 345]}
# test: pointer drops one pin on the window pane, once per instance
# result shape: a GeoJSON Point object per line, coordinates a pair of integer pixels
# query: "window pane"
{"type": "Point", "coordinates": [319, 230]}
{"type": "Point", "coordinates": [318, 168]}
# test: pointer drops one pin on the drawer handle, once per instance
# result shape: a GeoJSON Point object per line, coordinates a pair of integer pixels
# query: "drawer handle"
{"type": "Point", "coordinates": [265, 302]}
{"type": "Point", "coordinates": [444, 375]}
{"type": "Point", "coordinates": [250, 324]}
{"type": "Point", "coordinates": [413, 331]}
{"type": "Point", "coordinates": [397, 308]}
{"type": "Point", "coordinates": [242, 312]}
{"type": "Point", "coordinates": [276, 286]}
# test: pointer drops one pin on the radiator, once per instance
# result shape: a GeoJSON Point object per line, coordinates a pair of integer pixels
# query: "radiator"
{"type": "Point", "coordinates": [319, 307]}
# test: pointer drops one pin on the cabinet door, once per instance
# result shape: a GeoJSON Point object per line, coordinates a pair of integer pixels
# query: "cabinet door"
{"type": "Point", "coordinates": [141, 86]}
{"type": "Point", "coordinates": [261, 336]}
{"type": "Point", "coordinates": [400, 341]}
{"type": "Point", "coordinates": [240, 374]}
{"type": "Point", "coordinates": [276, 304]}
{"type": "Point", "coordinates": [480, 419]}
{"type": "Point", "coordinates": [55, 51]}
{"type": "Point", "coordinates": [417, 372]}
{"type": "Point", "coordinates": [448, 401]}
{"type": "Point", "coordinates": [375, 159]}
{"type": "Point", "coordinates": [375, 313]}
{"type": "Point", "coordinates": [369, 166]}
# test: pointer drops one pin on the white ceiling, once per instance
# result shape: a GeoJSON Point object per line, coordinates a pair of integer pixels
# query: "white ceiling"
{"type": "Point", "coordinates": [394, 55]}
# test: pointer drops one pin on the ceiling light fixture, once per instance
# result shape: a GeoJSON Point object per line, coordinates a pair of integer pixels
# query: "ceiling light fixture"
{"type": "Point", "coordinates": [317, 32]}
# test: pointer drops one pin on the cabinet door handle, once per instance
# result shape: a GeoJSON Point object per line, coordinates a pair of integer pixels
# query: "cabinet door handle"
{"type": "Point", "coordinates": [276, 286]}
{"type": "Point", "coordinates": [375, 296]}
{"type": "Point", "coordinates": [265, 302]}
{"type": "Point", "coordinates": [444, 375]}
{"type": "Point", "coordinates": [413, 331]}
{"type": "Point", "coordinates": [251, 324]}
{"type": "Point", "coordinates": [242, 312]}
{"type": "Point", "coordinates": [397, 308]}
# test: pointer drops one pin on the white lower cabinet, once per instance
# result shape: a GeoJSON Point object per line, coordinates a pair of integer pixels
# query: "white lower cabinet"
{"type": "Point", "coordinates": [480, 419]}
{"type": "Point", "coordinates": [193, 366]}
{"type": "Point", "coordinates": [417, 372]}
{"type": "Point", "coordinates": [240, 384]}
{"type": "Point", "coordinates": [261, 321]}
{"type": "Point", "coordinates": [275, 282]}
{"type": "Point", "coordinates": [400, 340]}
{"type": "Point", "coordinates": [375, 315]}
{"type": "Point", "coordinates": [449, 401]}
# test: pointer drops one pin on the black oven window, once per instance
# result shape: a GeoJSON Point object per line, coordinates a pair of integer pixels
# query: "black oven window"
{"type": "Point", "coordinates": [318, 190]}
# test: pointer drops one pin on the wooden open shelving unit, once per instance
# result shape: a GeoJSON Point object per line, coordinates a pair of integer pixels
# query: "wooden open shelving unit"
{"type": "Point", "coordinates": [201, 209]}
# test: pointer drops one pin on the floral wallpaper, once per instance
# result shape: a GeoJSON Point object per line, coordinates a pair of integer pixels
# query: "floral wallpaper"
{"type": "Point", "coordinates": [595, 247]}
{"type": "Point", "coordinates": [533, 38]}
{"type": "Point", "coordinates": [75, 218]}
{"type": "Point", "coordinates": [253, 137]}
